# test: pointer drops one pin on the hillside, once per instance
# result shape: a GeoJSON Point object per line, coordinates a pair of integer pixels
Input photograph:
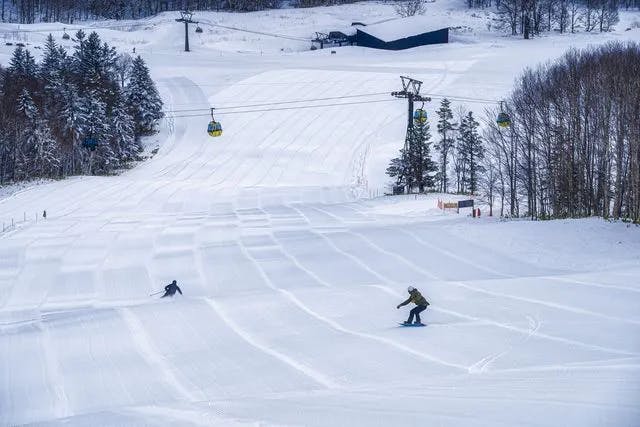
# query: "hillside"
{"type": "Point", "coordinates": [292, 263]}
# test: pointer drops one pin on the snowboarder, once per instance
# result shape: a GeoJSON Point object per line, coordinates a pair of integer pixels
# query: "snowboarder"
{"type": "Point", "coordinates": [421, 304]}
{"type": "Point", "coordinates": [171, 289]}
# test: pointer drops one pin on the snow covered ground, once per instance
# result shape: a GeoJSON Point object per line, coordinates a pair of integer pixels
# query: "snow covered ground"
{"type": "Point", "coordinates": [291, 271]}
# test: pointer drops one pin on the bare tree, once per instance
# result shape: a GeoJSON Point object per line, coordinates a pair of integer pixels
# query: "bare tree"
{"type": "Point", "coordinates": [573, 148]}
{"type": "Point", "coordinates": [407, 8]}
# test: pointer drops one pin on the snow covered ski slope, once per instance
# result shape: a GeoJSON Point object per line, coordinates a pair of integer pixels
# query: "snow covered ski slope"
{"type": "Point", "coordinates": [290, 271]}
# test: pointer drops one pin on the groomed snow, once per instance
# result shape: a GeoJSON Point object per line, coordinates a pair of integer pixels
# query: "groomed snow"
{"type": "Point", "coordinates": [291, 269]}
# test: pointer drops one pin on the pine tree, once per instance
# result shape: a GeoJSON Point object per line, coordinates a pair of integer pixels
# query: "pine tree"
{"type": "Point", "coordinates": [96, 159]}
{"type": "Point", "coordinates": [470, 154]}
{"type": "Point", "coordinates": [142, 99]}
{"type": "Point", "coordinates": [422, 167]}
{"type": "Point", "coordinates": [94, 67]}
{"type": "Point", "coordinates": [52, 112]}
{"type": "Point", "coordinates": [72, 122]}
{"type": "Point", "coordinates": [26, 106]}
{"type": "Point", "coordinates": [399, 169]}
{"type": "Point", "coordinates": [446, 129]}
{"type": "Point", "coordinates": [27, 114]}
{"type": "Point", "coordinates": [45, 153]}
{"type": "Point", "coordinates": [123, 136]}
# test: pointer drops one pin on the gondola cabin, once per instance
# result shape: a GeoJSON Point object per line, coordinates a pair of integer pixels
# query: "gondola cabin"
{"type": "Point", "coordinates": [503, 120]}
{"type": "Point", "coordinates": [420, 115]}
{"type": "Point", "coordinates": [214, 128]}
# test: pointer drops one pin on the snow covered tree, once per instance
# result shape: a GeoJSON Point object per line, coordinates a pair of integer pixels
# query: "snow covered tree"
{"type": "Point", "coordinates": [69, 114]}
{"type": "Point", "coordinates": [414, 167]}
{"type": "Point", "coordinates": [72, 120]}
{"type": "Point", "coordinates": [95, 130]}
{"type": "Point", "coordinates": [399, 169]}
{"type": "Point", "coordinates": [26, 106]}
{"type": "Point", "coordinates": [124, 141]}
{"type": "Point", "coordinates": [142, 99]}
{"type": "Point", "coordinates": [446, 129]}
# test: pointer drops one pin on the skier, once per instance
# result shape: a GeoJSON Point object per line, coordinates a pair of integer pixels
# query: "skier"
{"type": "Point", "coordinates": [421, 304]}
{"type": "Point", "coordinates": [171, 289]}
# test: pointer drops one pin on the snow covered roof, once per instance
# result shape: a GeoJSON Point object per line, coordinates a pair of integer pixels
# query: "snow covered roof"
{"type": "Point", "coordinates": [403, 27]}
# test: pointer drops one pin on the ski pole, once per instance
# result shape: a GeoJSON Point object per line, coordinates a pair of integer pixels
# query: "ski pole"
{"type": "Point", "coordinates": [156, 293]}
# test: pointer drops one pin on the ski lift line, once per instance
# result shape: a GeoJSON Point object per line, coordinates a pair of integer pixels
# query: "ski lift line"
{"type": "Point", "coordinates": [281, 36]}
{"type": "Point", "coordinates": [463, 98]}
{"type": "Point", "coordinates": [328, 82]}
{"type": "Point", "coordinates": [279, 103]}
{"type": "Point", "coordinates": [454, 98]}
{"type": "Point", "coordinates": [280, 109]}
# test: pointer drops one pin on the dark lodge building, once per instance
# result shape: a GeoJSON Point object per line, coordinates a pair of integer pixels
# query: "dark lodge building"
{"type": "Point", "coordinates": [401, 34]}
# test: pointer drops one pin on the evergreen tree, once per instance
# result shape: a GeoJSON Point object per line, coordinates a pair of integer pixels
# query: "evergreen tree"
{"type": "Point", "coordinates": [50, 67]}
{"type": "Point", "coordinates": [68, 114]}
{"type": "Point", "coordinates": [126, 146]}
{"type": "Point", "coordinates": [470, 154]}
{"type": "Point", "coordinates": [421, 166]}
{"type": "Point", "coordinates": [42, 150]}
{"type": "Point", "coordinates": [399, 169]}
{"type": "Point", "coordinates": [142, 99]}
{"type": "Point", "coordinates": [27, 114]}
{"type": "Point", "coordinates": [446, 129]}
{"type": "Point", "coordinates": [72, 120]}
{"type": "Point", "coordinates": [26, 106]}
{"type": "Point", "coordinates": [95, 127]}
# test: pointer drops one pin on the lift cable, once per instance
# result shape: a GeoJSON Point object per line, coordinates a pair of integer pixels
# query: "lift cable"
{"type": "Point", "coordinates": [280, 109]}
{"type": "Point", "coordinates": [281, 36]}
{"type": "Point", "coordinates": [265, 104]}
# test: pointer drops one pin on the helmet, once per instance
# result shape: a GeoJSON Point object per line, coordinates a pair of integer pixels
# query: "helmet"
{"type": "Point", "coordinates": [411, 289]}
{"type": "Point", "coordinates": [174, 282]}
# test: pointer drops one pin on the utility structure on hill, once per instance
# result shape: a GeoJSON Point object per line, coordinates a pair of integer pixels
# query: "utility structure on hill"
{"type": "Point", "coordinates": [185, 16]}
{"type": "Point", "coordinates": [410, 91]}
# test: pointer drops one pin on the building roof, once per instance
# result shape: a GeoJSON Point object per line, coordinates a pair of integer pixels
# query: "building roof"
{"type": "Point", "coordinates": [403, 27]}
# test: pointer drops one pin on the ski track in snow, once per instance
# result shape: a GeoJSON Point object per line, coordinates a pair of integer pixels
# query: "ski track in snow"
{"type": "Point", "coordinates": [290, 278]}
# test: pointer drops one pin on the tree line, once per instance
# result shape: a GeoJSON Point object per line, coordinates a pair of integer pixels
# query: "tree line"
{"type": "Point", "coordinates": [73, 113]}
{"type": "Point", "coordinates": [30, 11]}
{"type": "Point", "coordinates": [573, 148]}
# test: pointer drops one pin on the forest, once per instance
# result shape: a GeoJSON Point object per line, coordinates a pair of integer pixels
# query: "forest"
{"type": "Point", "coordinates": [68, 11]}
{"type": "Point", "coordinates": [572, 148]}
{"type": "Point", "coordinates": [525, 17]}
{"type": "Point", "coordinates": [82, 112]}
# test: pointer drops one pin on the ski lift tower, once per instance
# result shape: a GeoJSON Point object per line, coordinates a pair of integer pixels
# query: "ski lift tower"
{"type": "Point", "coordinates": [410, 91]}
{"type": "Point", "coordinates": [185, 16]}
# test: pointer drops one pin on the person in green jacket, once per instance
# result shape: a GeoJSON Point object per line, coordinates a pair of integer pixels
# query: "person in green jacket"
{"type": "Point", "coordinates": [421, 304]}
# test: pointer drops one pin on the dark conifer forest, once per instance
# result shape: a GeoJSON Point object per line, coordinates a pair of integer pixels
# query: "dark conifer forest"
{"type": "Point", "coordinates": [80, 112]}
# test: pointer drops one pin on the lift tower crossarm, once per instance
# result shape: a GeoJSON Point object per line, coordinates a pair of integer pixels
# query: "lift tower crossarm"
{"type": "Point", "coordinates": [410, 91]}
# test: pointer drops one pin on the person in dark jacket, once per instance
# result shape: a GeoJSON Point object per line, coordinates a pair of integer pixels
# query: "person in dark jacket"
{"type": "Point", "coordinates": [421, 304]}
{"type": "Point", "coordinates": [171, 289]}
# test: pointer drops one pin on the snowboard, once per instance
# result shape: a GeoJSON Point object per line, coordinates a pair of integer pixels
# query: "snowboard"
{"type": "Point", "coordinates": [412, 325]}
